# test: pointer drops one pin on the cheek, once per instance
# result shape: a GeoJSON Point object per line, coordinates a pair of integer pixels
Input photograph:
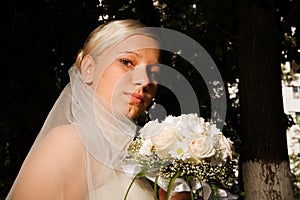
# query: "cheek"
{"type": "Point", "coordinates": [106, 86]}
{"type": "Point", "coordinates": [103, 89]}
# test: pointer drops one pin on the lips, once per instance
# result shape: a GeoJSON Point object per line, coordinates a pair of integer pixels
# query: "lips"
{"type": "Point", "coordinates": [136, 98]}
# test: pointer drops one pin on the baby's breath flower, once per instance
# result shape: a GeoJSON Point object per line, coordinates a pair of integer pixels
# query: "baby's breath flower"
{"type": "Point", "coordinates": [185, 146]}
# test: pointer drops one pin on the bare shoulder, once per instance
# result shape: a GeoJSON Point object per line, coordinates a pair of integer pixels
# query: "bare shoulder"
{"type": "Point", "coordinates": [64, 135]}
{"type": "Point", "coordinates": [54, 163]}
{"type": "Point", "coordinates": [67, 131]}
{"type": "Point", "coordinates": [63, 141]}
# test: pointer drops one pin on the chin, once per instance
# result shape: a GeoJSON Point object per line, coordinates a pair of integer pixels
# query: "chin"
{"type": "Point", "coordinates": [134, 112]}
{"type": "Point", "coordinates": [130, 116]}
{"type": "Point", "coordinates": [134, 116]}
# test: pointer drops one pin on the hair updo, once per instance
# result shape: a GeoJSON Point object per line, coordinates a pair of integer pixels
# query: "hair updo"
{"type": "Point", "coordinates": [106, 35]}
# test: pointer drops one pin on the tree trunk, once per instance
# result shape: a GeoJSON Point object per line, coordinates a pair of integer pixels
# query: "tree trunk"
{"type": "Point", "coordinates": [267, 180]}
{"type": "Point", "coordinates": [264, 157]}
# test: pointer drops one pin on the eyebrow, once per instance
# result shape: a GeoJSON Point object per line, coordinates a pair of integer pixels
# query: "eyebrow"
{"type": "Point", "coordinates": [132, 52]}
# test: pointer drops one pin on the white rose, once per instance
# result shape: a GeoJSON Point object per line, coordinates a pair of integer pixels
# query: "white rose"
{"type": "Point", "coordinates": [224, 150]}
{"type": "Point", "coordinates": [196, 124]}
{"type": "Point", "coordinates": [146, 148]}
{"type": "Point", "coordinates": [225, 146]}
{"type": "Point", "coordinates": [214, 131]}
{"type": "Point", "coordinates": [150, 129]}
{"type": "Point", "coordinates": [186, 125]}
{"type": "Point", "coordinates": [201, 147]}
{"type": "Point", "coordinates": [164, 141]}
{"type": "Point", "coordinates": [172, 119]}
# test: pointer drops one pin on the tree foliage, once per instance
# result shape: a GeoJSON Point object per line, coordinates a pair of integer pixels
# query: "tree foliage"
{"type": "Point", "coordinates": [40, 40]}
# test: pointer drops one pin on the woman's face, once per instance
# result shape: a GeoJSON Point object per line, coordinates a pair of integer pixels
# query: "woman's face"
{"type": "Point", "coordinates": [129, 82]}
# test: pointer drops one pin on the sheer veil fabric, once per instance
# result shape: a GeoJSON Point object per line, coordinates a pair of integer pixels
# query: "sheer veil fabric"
{"type": "Point", "coordinates": [103, 131]}
{"type": "Point", "coordinates": [104, 135]}
{"type": "Point", "coordinates": [105, 150]}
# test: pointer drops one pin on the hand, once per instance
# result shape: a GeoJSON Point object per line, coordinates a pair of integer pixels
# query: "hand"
{"type": "Point", "coordinates": [178, 196]}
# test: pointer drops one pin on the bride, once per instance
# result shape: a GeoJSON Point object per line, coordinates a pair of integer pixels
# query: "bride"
{"type": "Point", "coordinates": [80, 151]}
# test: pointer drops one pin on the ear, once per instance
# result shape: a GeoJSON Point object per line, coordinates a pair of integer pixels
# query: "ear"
{"type": "Point", "coordinates": [87, 69]}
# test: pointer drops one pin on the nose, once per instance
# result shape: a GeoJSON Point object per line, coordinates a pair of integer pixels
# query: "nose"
{"type": "Point", "coordinates": [140, 76]}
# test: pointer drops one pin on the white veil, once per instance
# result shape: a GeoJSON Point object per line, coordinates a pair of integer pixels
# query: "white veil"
{"type": "Point", "coordinates": [103, 131]}
{"type": "Point", "coordinates": [112, 131]}
{"type": "Point", "coordinates": [105, 137]}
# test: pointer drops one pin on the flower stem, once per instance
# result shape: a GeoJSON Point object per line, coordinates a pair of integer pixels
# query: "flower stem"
{"type": "Point", "coordinates": [170, 186]}
{"type": "Point", "coordinates": [134, 178]}
{"type": "Point", "coordinates": [192, 194]}
{"type": "Point", "coordinates": [202, 189]}
{"type": "Point", "coordinates": [191, 188]}
{"type": "Point", "coordinates": [155, 188]}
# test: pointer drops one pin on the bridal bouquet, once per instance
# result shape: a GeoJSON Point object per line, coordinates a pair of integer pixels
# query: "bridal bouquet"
{"type": "Point", "coordinates": [183, 153]}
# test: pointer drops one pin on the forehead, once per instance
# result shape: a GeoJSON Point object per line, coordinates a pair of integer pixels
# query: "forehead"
{"type": "Point", "coordinates": [136, 42]}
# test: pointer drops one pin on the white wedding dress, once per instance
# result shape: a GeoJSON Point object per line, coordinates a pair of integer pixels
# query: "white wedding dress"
{"type": "Point", "coordinates": [116, 189]}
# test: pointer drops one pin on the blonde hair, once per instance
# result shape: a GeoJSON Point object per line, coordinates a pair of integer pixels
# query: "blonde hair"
{"type": "Point", "coordinates": [105, 36]}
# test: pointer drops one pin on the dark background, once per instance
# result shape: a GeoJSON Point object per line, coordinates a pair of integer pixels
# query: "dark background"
{"type": "Point", "coordinates": [40, 40]}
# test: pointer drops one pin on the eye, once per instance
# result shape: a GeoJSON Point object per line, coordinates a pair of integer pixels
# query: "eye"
{"type": "Point", "coordinates": [126, 62]}
{"type": "Point", "coordinates": [154, 76]}
{"type": "Point", "coordinates": [153, 73]}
